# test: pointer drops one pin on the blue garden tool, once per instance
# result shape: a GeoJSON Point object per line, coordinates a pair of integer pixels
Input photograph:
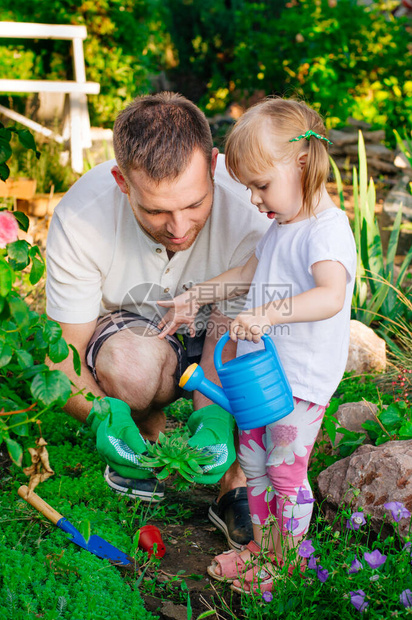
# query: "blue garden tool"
{"type": "Point", "coordinates": [96, 545]}
{"type": "Point", "coordinates": [255, 389]}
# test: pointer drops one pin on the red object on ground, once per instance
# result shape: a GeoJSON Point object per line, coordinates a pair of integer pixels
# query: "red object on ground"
{"type": "Point", "coordinates": [149, 537]}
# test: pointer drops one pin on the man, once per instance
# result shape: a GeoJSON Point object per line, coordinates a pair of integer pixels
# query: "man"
{"type": "Point", "coordinates": [129, 233]}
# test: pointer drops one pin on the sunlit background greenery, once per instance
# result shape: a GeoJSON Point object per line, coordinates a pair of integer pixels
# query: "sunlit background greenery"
{"type": "Point", "coordinates": [344, 58]}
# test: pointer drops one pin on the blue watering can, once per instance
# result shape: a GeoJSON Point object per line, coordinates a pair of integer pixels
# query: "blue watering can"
{"type": "Point", "coordinates": [255, 388]}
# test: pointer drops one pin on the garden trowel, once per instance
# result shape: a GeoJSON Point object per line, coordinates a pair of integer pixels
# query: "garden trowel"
{"type": "Point", "coordinates": [96, 545]}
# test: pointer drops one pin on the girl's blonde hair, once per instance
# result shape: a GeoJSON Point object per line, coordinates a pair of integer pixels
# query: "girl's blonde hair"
{"type": "Point", "coordinates": [261, 137]}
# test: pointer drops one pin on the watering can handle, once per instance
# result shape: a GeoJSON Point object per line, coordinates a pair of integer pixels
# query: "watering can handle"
{"type": "Point", "coordinates": [217, 356]}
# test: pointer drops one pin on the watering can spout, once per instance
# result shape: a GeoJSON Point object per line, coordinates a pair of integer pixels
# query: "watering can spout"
{"type": "Point", "coordinates": [194, 379]}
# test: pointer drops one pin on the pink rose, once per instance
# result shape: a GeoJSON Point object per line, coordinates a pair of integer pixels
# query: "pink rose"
{"type": "Point", "coordinates": [9, 229]}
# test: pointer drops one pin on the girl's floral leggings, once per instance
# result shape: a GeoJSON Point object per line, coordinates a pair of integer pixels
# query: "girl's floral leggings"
{"type": "Point", "coordinates": [275, 461]}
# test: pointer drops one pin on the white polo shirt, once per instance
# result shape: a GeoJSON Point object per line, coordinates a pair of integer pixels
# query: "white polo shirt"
{"type": "Point", "coordinates": [100, 260]}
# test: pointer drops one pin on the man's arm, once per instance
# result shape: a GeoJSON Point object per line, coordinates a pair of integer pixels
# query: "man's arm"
{"type": "Point", "coordinates": [78, 335]}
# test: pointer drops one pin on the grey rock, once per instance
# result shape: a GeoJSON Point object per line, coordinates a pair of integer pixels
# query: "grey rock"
{"type": "Point", "coordinates": [369, 478]}
{"type": "Point", "coordinates": [352, 415]}
{"type": "Point", "coordinates": [375, 151]}
{"type": "Point", "coordinates": [363, 125]}
{"type": "Point", "coordinates": [367, 352]}
{"type": "Point", "coordinates": [399, 195]}
{"type": "Point", "coordinates": [340, 138]}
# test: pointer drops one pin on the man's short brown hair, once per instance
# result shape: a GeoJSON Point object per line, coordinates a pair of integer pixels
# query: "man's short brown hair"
{"type": "Point", "coordinates": [158, 135]}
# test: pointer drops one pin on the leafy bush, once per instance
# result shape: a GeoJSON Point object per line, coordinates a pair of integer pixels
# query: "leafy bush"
{"type": "Point", "coordinates": [232, 51]}
{"type": "Point", "coordinates": [48, 172]}
{"type": "Point", "coordinates": [218, 52]}
{"type": "Point", "coordinates": [125, 46]}
{"type": "Point", "coordinates": [29, 387]}
{"type": "Point", "coordinates": [376, 291]}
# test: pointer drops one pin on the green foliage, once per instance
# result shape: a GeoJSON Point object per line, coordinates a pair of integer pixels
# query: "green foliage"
{"type": "Point", "coordinates": [29, 387]}
{"type": "Point", "coordinates": [375, 295]}
{"type": "Point", "coordinates": [404, 142]}
{"type": "Point", "coordinates": [48, 172]}
{"type": "Point", "coordinates": [232, 51]}
{"type": "Point", "coordinates": [218, 52]}
{"type": "Point", "coordinates": [125, 45]}
{"type": "Point", "coordinates": [26, 140]}
{"type": "Point", "coordinates": [180, 410]}
{"type": "Point", "coordinates": [41, 572]}
{"type": "Point", "coordinates": [352, 389]}
{"type": "Point", "coordinates": [392, 422]}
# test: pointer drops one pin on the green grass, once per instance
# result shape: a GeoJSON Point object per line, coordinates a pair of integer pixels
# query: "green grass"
{"type": "Point", "coordinates": [42, 574]}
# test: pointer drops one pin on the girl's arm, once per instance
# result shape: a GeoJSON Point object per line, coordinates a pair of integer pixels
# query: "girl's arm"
{"type": "Point", "coordinates": [184, 308]}
{"type": "Point", "coordinates": [321, 302]}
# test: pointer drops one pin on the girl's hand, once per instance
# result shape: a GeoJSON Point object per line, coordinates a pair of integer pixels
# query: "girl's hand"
{"type": "Point", "coordinates": [250, 325]}
{"type": "Point", "coordinates": [182, 311]}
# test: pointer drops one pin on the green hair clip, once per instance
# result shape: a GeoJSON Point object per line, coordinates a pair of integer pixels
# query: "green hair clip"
{"type": "Point", "coordinates": [308, 136]}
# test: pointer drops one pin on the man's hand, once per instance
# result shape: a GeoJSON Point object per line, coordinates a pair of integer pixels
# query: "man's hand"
{"type": "Point", "coordinates": [183, 311]}
{"type": "Point", "coordinates": [212, 431]}
{"type": "Point", "coordinates": [250, 325]}
{"type": "Point", "coordinates": [118, 440]}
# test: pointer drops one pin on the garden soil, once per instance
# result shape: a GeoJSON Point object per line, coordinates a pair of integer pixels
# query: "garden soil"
{"type": "Point", "coordinates": [190, 548]}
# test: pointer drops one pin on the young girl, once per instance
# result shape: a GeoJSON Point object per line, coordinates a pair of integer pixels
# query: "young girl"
{"type": "Point", "coordinates": [299, 284]}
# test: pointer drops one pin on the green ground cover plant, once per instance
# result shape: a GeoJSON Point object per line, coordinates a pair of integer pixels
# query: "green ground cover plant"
{"type": "Point", "coordinates": [41, 573]}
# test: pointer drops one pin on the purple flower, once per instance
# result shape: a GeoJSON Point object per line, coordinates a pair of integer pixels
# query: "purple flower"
{"type": "Point", "coordinates": [356, 521]}
{"type": "Point", "coordinates": [304, 497]}
{"type": "Point", "coordinates": [357, 599]}
{"type": "Point", "coordinates": [355, 567]}
{"type": "Point", "coordinates": [397, 510]}
{"type": "Point", "coordinates": [306, 549]}
{"type": "Point", "coordinates": [406, 598]}
{"type": "Point", "coordinates": [267, 597]}
{"type": "Point", "coordinates": [292, 524]}
{"type": "Point", "coordinates": [322, 573]}
{"type": "Point", "coordinates": [408, 546]}
{"type": "Point", "coordinates": [375, 558]}
{"type": "Point", "coordinates": [312, 562]}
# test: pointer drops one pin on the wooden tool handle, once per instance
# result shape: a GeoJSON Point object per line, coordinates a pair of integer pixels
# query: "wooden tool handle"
{"type": "Point", "coordinates": [39, 504]}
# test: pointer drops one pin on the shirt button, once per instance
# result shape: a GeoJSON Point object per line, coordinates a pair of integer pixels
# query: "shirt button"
{"type": "Point", "coordinates": [158, 250]}
{"type": "Point", "coordinates": [167, 270]}
{"type": "Point", "coordinates": [166, 290]}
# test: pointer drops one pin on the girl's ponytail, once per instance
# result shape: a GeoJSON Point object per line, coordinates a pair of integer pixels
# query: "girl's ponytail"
{"type": "Point", "coordinates": [315, 173]}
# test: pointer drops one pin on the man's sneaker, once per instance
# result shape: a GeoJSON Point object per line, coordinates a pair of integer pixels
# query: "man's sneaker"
{"type": "Point", "coordinates": [231, 515]}
{"type": "Point", "coordinates": [145, 489]}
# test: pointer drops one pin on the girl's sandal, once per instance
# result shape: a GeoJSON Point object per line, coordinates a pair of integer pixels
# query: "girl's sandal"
{"type": "Point", "coordinates": [260, 579]}
{"type": "Point", "coordinates": [231, 564]}
{"type": "Point", "coordinates": [256, 580]}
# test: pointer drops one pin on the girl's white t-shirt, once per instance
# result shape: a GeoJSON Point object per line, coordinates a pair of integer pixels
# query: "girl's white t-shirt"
{"type": "Point", "coordinates": [313, 354]}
